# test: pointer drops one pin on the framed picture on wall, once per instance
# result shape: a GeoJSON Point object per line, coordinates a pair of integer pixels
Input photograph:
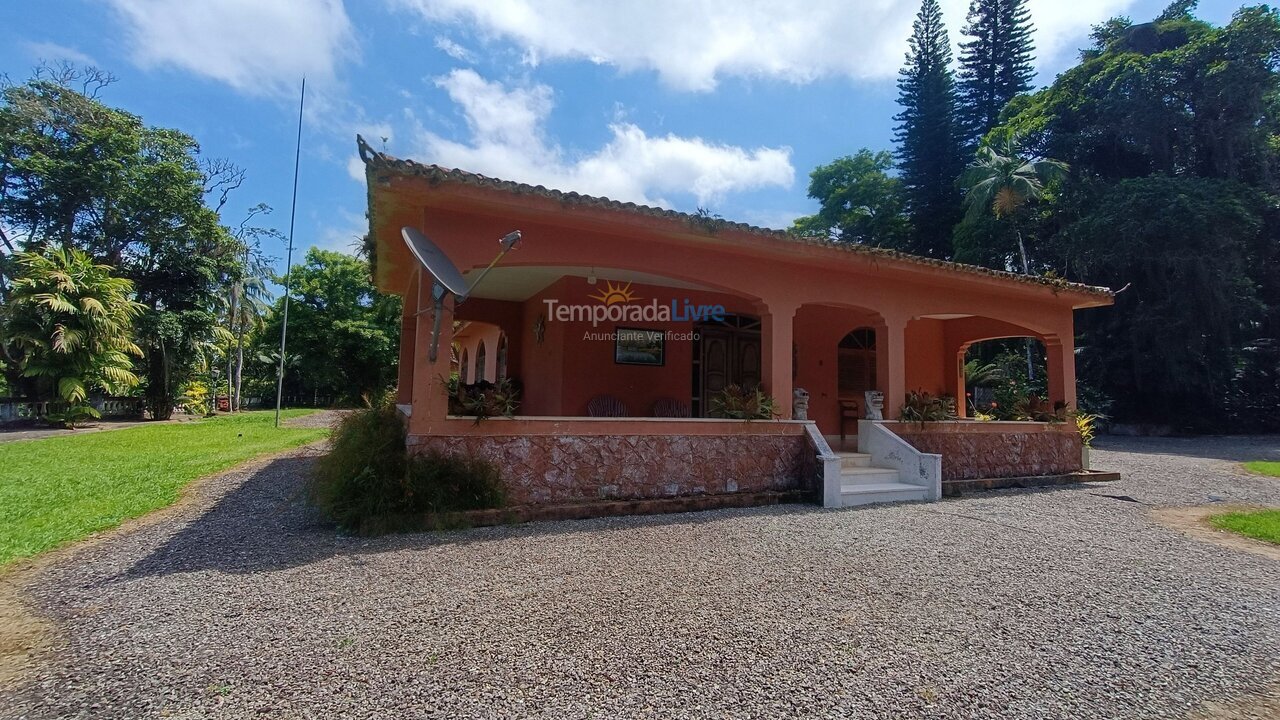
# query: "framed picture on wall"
{"type": "Point", "coordinates": [637, 346]}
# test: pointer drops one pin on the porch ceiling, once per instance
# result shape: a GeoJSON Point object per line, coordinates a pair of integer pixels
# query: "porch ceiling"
{"type": "Point", "coordinates": [518, 283]}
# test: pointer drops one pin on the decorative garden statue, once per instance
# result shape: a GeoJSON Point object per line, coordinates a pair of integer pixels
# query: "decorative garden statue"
{"type": "Point", "coordinates": [875, 405]}
{"type": "Point", "coordinates": [800, 404]}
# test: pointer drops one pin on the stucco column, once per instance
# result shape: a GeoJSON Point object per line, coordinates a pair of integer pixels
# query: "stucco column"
{"type": "Point", "coordinates": [891, 363]}
{"type": "Point", "coordinates": [1060, 353]}
{"type": "Point", "coordinates": [955, 383]}
{"type": "Point", "coordinates": [408, 341]}
{"type": "Point", "coordinates": [430, 391]}
{"type": "Point", "coordinates": [776, 354]}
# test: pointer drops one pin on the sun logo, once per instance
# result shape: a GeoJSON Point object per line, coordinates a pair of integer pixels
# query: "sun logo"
{"type": "Point", "coordinates": [613, 294]}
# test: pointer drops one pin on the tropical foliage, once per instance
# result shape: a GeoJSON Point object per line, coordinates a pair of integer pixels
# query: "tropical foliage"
{"type": "Point", "coordinates": [78, 174]}
{"type": "Point", "coordinates": [859, 201]}
{"type": "Point", "coordinates": [71, 323]}
{"type": "Point", "coordinates": [344, 333]}
{"type": "Point", "coordinates": [1151, 167]}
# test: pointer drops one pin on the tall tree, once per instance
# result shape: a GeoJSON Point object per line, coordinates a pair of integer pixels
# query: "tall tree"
{"type": "Point", "coordinates": [995, 63]}
{"type": "Point", "coordinates": [1170, 128]}
{"type": "Point", "coordinates": [1003, 182]}
{"type": "Point", "coordinates": [76, 173]}
{"type": "Point", "coordinates": [859, 202]}
{"type": "Point", "coordinates": [928, 136]}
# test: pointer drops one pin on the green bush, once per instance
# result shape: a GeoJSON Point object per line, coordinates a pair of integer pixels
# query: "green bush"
{"type": "Point", "coordinates": [922, 407]}
{"type": "Point", "coordinates": [735, 402]}
{"type": "Point", "coordinates": [367, 482]}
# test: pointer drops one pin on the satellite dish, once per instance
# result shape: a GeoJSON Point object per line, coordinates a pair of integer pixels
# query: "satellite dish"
{"type": "Point", "coordinates": [445, 276]}
{"type": "Point", "coordinates": [435, 261]}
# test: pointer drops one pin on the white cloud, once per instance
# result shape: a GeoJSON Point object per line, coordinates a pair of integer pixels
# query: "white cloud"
{"type": "Point", "coordinates": [256, 46]}
{"type": "Point", "coordinates": [692, 44]}
{"type": "Point", "coordinates": [454, 50]}
{"type": "Point", "coordinates": [508, 140]}
{"type": "Point", "coordinates": [53, 52]}
{"type": "Point", "coordinates": [345, 234]}
{"type": "Point", "coordinates": [355, 168]}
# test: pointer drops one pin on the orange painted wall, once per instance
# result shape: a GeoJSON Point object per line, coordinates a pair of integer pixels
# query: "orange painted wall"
{"type": "Point", "coordinates": [590, 365]}
{"type": "Point", "coordinates": [926, 361]}
{"type": "Point", "coordinates": [542, 363]}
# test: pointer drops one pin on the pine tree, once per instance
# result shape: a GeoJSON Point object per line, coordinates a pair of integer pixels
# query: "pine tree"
{"type": "Point", "coordinates": [995, 63]}
{"type": "Point", "coordinates": [929, 143]}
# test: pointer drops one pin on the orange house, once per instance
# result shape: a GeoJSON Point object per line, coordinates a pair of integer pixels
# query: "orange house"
{"type": "Point", "coordinates": [622, 323]}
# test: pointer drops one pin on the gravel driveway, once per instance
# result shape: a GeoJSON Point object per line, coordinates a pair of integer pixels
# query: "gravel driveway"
{"type": "Point", "coordinates": [1066, 603]}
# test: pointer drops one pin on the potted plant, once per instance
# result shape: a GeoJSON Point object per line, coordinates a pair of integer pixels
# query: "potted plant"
{"type": "Point", "coordinates": [1086, 424]}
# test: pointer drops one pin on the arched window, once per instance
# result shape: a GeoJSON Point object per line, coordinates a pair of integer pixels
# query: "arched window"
{"type": "Point", "coordinates": [462, 368]}
{"type": "Point", "coordinates": [502, 357]}
{"type": "Point", "coordinates": [480, 362]}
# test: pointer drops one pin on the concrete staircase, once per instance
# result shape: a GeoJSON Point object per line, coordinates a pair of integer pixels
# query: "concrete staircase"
{"type": "Point", "coordinates": [862, 484]}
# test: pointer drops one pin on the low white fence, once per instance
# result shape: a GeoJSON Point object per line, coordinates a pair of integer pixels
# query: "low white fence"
{"type": "Point", "coordinates": [24, 409]}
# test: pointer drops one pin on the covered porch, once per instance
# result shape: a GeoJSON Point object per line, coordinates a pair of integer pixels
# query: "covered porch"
{"type": "Point", "coordinates": [621, 323]}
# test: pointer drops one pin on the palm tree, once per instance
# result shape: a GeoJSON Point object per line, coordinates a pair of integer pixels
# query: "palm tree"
{"type": "Point", "coordinates": [72, 323]}
{"type": "Point", "coordinates": [247, 305]}
{"type": "Point", "coordinates": [1002, 180]}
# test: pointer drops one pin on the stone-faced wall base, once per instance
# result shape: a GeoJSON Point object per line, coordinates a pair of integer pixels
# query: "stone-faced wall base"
{"type": "Point", "coordinates": [973, 450]}
{"type": "Point", "coordinates": [568, 468]}
{"type": "Point", "coordinates": [961, 487]}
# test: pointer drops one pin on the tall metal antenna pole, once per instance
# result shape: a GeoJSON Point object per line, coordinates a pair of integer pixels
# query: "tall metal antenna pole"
{"type": "Point", "coordinates": [288, 261]}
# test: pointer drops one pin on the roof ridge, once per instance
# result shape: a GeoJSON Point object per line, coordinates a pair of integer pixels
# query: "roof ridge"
{"type": "Point", "coordinates": [438, 173]}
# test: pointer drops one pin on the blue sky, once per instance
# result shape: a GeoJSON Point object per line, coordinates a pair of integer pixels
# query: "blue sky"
{"type": "Point", "coordinates": [724, 104]}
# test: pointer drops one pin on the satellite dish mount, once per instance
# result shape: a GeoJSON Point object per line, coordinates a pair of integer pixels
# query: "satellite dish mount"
{"type": "Point", "coordinates": [445, 278]}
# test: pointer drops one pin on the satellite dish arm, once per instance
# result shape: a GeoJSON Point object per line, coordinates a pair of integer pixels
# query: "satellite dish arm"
{"type": "Point", "coordinates": [508, 242]}
{"type": "Point", "coordinates": [438, 292]}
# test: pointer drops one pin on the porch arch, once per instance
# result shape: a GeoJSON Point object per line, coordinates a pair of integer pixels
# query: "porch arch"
{"type": "Point", "coordinates": [819, 331]}
{"type": "Point", "coordinates": [937, 346]}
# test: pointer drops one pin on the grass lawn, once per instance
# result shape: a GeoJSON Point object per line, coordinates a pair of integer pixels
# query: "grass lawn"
{"type": "Point", "coordinates": [59, 489]}
{"type": "Point", "coordinates": [1264, 467]}
{"type": "Point", "coordinates": [1261, 524]}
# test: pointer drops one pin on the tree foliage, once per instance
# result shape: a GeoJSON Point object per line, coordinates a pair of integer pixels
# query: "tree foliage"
{"type": "Point", "coordinates": [76, 173]}
{"type": "Point", "coordinates": [344, 334]}
{"type": "Point", "coordinates": [859, 201]}
{"type": "Point", "coordinates": [995, 63]}
{"type": "Point", "coordinates": [1170, 129]}
{"type": "Point", "coordinates": [928, 135]}
{"type": "Point", "coordinates": [71, 323]}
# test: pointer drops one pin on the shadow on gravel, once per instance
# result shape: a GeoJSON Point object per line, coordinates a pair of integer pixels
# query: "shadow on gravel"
{"type": "Point", "coordinates": [1237, 448]}
{"type": "Point", "coordinates": [266, 524]}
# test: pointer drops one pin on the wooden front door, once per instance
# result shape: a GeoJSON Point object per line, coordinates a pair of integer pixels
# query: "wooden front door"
{"type": "Point", "coordinates": [728, 354]}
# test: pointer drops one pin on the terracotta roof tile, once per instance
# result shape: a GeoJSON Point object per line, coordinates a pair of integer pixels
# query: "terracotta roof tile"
{"type": "Point", "coordinates": [437, 174]}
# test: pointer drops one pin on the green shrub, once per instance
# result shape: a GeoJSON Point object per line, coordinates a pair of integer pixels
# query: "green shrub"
{"type": "Point", "coordinates": [483, 400]}
{"type": "Point", "coordinates": [368, 483]}
{"type": "Point", "coordinates": [921, 407]}
{"type": "Point", "coordinates": [739, 403]}
{"type": "Point", "coordinates": [72, 414]}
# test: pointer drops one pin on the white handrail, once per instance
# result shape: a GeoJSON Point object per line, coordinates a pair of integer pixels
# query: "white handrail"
{"type": "Point", "coordinates": [889, 450]}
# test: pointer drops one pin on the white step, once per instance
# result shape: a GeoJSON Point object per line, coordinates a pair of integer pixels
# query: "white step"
{"type": "Point", "coordinates": [864, 475]}
{"type": "Point", "coordinates": [880, 492]}
{"type": "Point", "coordinates": [853, 459]}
